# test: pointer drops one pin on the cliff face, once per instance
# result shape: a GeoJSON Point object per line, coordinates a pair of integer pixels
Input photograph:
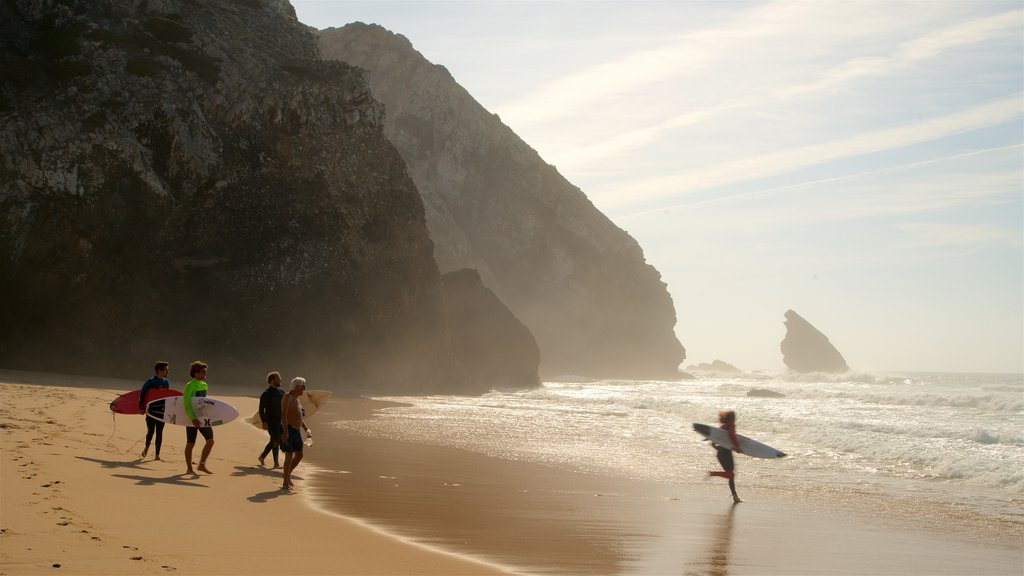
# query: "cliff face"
{"type": "Point", "coordinates": [576, 280]}
{"type": "Point", "coordinates": [185, 180]}
{"type": "Point", "coordinates": [806, 349]}
{"type": "Point", "coordinates": [493, 345]}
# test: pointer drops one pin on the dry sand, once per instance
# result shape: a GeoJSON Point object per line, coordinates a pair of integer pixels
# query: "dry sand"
{"type": "Point", "coordinates": [75, 498]}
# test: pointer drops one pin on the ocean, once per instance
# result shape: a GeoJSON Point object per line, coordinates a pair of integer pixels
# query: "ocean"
{"type": "Point", "coordinates": [952, 441]}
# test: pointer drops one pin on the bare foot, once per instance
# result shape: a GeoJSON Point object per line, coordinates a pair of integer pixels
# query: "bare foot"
{"type": "Point", "coordinates": [203, 468]}
{"type": "Point", "coordinates": [157, 458]}
{"type": "Point", "coordinates": [262, 463]}
{"type": "Point", "coordinates": [276, 467]}
{"type": "Point", "coordinates": [191, 472]}
{"type": "Point", "coordinates": [736, 499]}
{"type": "Point", "coordinates": [145, 451]}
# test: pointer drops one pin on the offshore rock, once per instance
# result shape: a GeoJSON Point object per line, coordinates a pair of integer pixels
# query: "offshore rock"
{"type": "Point", "coordinates": [575, 279]}
{"type": "Point", "coordinates": [717, 366]}
{"type": "Point", "coordinates": [494, 346]}
{"type": "Point", "coordinates": [806, 349]}
{"type": "Point", "coordinates": [184, 180]}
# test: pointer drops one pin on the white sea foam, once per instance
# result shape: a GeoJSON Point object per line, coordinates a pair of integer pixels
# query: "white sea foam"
{"type": "Point", "coordinates": [886, 433]}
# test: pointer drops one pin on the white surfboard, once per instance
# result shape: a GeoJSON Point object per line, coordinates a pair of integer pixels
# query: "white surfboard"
{"type": "Point", "coordinates": [311, 401]}
{"type": "Point", "coordinates": [209, 411]}
{"type": "Point", "coordinates": [749, 447]}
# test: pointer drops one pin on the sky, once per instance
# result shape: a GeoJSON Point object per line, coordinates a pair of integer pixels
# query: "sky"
{"type": "Point", "coordinates": [861, 163]}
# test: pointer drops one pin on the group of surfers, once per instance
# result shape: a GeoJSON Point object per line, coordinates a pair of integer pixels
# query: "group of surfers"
{"type": "Point", "coordinates": [280, 414]}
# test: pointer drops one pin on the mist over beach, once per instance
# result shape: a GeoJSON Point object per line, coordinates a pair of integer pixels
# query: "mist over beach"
{"type": "Point", "coordinates": [575, 287]}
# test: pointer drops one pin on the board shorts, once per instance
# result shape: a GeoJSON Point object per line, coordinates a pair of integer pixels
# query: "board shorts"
{"type": "Point", "coordinates": [293, 443]}
{"type": "Point", "coordinates": [190, 433]}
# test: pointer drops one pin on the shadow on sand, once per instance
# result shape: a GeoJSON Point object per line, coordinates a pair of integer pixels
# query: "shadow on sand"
{"type": "Point", "coordinates": [268, 495]}
{"type": "Point", "coordinates": [256, 471]}
{"type": "Point", "coordinates": [134, 464]}
{"type": "Point", "coordinates": [181, 479]}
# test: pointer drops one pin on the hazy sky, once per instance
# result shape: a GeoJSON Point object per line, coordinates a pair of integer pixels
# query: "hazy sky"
{"type": "Point", "coordinates": [859, 162]}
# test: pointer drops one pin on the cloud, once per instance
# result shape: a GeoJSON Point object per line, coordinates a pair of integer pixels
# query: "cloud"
{"type": "Point", "coordinates": [827, 77]}
{"type": "Point", "coordinates": [967, 186]}
{"type": "Point", "coordinates": [622, 195]}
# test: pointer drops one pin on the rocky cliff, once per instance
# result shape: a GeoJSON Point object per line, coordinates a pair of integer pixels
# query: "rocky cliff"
{"type": "Point", "coordinates": [576, 280]}
{"type": "Point", "coordinates": [183, 179]}
{"type": "Point", "coordinates": [493, 345]}
{"type": "Point", "coordinates": [806, 349]}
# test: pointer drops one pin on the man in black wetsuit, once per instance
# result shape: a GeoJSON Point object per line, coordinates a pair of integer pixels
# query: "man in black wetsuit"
{"type": "Point", "coordinates": [152, 425]}
{"type": "Point", "coordinates": [270, 414]}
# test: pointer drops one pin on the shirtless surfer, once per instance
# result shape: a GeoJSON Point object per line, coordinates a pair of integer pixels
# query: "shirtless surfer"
{"type": "Point", "coordinates": [291, 429]}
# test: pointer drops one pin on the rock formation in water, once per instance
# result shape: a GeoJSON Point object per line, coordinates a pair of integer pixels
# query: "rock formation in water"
{"type": "Point", "coordinates": [764, 393]}
{"type": "Point", "coordinates": [493, 345]}
{"type": "Point", "coordinates": [576, 280]}
{"type": "Point", "coordinates": [184, 180]}
{"type": "Point", "coordinates": [717, 366]}
{"type": "Point", "coordinates": [806, 349]}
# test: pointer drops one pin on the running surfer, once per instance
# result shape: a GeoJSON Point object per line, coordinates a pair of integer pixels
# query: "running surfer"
{"type": "Point", "coordinates": [727, 418]}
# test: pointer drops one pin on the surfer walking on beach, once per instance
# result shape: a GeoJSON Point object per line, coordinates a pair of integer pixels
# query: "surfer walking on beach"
{"type": "Point", "coordinates": [727, 418]}
{"type": "Point", "coordinates": [196, 387]}
{"type": "Point", "coordinates": [291, 429]}
{"type": "Point", "coordinates": [154, 426]}
{"type": "Point", "coordinates": [270, 415]}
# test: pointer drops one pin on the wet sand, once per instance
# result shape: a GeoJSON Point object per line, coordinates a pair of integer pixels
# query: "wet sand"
{"type": "Point", "coordinates": [543, 520]}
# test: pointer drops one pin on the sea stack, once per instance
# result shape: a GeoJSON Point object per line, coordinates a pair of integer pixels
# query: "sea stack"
{"type": "Point", "coordinates": [806, 349]}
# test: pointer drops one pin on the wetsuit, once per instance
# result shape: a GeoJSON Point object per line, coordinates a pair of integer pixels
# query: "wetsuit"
{"type": "Point", "coordinates": [153, 425]}
{"type": "Point", "coordinates": [270, 414]}
{"type": "Point", "coordinates": [725, 456]}
{"type": "Point", "coordinates": [195, 388]}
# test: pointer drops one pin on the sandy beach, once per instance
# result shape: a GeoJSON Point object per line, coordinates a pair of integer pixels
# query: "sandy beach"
{"type": "Point", "coordinates": [75, 493]}
{"type": "Point", "coordinates": [77, 498]}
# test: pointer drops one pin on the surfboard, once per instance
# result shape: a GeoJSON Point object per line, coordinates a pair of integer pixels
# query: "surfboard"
{"type": "Point", "coordinates": [311, 401]}
{"type": "Point", "coordinates": [748, 446]}
{"type": "Point", "coordinates": [129, 403]}
{"type": "Point", "coordinates": [209, 411]}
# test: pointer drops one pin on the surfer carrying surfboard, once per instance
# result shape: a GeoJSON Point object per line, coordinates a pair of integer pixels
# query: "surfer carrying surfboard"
{"type": "Point", "coordinates": [727, 418]}
{"type": "Point", "coordinates": [196, 387]}
{"type": "Point", "coordinates": [157, 382]}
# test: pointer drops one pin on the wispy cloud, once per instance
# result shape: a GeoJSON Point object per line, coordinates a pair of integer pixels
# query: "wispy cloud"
{"type": "Point", "coordinates": [620, 196]}
{"type": "Point", "coordinates": [966, 187]}
{"type": "Point", "coordinates": [828, 76]}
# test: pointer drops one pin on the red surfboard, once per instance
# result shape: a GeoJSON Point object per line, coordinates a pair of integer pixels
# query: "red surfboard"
{"type": "Point", "coordinates": [129, 403]}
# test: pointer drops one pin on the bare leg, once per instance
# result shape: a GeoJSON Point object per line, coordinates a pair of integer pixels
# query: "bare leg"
{"type": "Point", "coordinates": [287, 471]}
{"type": "Point", "coordinates": [207, 447]}
{"type": "Point", "coordinates": [296, 458]}
{"type": "Point", "coordinates": [188, 457]}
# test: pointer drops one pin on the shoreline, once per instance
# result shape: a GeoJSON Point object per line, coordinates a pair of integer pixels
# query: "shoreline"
{"type": "Point", "coordinates": [75, 493]}
{"type": "Point", "coordinates": [542, 519]}
{"type": "Point", "coordinates": [76, 497]}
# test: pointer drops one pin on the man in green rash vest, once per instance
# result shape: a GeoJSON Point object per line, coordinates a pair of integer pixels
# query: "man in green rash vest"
{"type": "Point", "coordinates": [196, 387]}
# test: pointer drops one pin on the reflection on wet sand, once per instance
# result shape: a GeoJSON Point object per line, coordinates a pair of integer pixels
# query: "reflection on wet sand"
{"type": "Point", "coordinates": [526, 516]}
{"type": "Point", "coordinates": [717, 560]}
